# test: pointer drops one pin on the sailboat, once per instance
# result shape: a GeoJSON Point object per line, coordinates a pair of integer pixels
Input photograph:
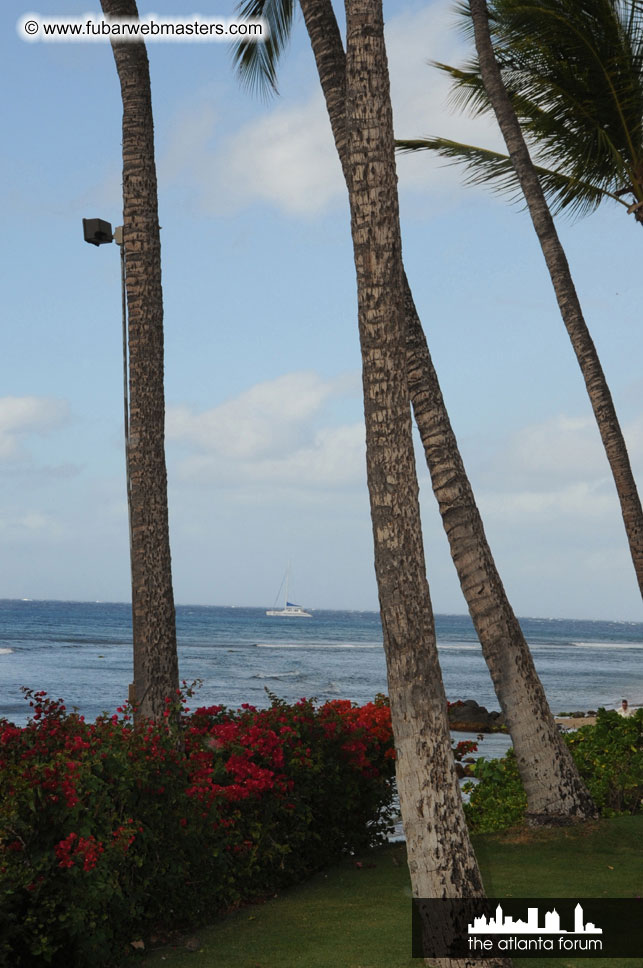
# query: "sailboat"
{"type": "Point", "coordinates": [289, 610]}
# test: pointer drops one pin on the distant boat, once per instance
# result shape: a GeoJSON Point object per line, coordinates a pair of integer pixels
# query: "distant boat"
{"type": "Point", "coordinates": [290, 610]}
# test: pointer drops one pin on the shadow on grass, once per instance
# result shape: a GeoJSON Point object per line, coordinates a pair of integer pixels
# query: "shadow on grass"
{"type": "Point", "coordinates": [358, 914]}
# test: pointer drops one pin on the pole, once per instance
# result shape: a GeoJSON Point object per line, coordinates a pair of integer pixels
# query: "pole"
{"type": "Point", "coordinates": [133, 698]}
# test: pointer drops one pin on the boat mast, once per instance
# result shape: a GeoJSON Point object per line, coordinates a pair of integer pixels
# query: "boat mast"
{"type": "Point", "coordinates": [287, 583]}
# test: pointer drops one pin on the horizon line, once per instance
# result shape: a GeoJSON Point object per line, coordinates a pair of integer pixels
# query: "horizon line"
{"type": "Point", "coordinates": [373, 611]}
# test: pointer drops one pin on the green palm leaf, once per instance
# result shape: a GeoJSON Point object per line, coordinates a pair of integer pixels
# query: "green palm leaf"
{"type": "Point", "coordinates": [486, 167]}
{"type": "Point", "coordinates": [574, 73]}
{"type": "Point", "coordinates": [256, 63]}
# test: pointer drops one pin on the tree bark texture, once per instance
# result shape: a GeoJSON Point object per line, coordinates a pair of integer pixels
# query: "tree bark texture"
{"type": "Point", "coordinates": [568, 302]}
{"type": "Point", "coordinates": [553, 785]}
{"type": "Point", "coordinates": [555, 791]}
{"type": "Point", "coordinates": [156, 676]}
{"type": "Point", "coordinates": [441, 859]}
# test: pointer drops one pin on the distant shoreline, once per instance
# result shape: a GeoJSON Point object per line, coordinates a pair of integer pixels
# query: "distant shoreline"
{"type": "Point", "coordinates": [313, 608]}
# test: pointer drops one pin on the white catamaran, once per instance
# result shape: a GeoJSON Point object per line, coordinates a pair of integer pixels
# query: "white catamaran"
{"type": "Point", "coordinates": [289, 610]}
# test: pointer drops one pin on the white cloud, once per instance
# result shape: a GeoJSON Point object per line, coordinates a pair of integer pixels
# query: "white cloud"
{"type": "Point", "coordinates": [287, 156]}
{"type": "Point", "coordinates": [263, 420]}
{"type": "Point", "coordinates": [22, 416]}
{"type": "Point", "coordinates": [333, 458]}
{"type": "Point", "coordinates": [39, 522]}
{"type": "Point", "coordinates": [577, 500]}
{"type": "Point", "coordinates": [275, 433]}
{"type": "Point", "coordinates": [556, 469]}
{"type": "Point", "coordinates": [563, 449]}
{"type": "Point", "coordinates": [420, 93]}
{"type": "Point", "coordinates": [192, 133]}
{"type": "Point", "coordinates": [633, 433]}
{"type": "Point", "coordinates": [29, 524]}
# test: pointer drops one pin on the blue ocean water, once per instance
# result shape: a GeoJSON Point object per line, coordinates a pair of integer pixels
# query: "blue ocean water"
{"type": "Point", "coordinates": [82, 652]}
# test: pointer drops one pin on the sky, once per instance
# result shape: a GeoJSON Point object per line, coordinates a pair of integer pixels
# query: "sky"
{"type": "Point", "coordinates": [265, 436]}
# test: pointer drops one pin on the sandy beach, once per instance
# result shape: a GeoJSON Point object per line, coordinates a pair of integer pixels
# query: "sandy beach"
{"type": "Point", "coordinates": [575, 722]}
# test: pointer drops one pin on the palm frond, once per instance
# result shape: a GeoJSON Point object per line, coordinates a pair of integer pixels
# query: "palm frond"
{"type": "Point", "coordinates": [467, 90]}
{"type": "Point", "coordinates": [256, 63]}
{"type": "Point", "coordinates": [574, 73]}
{"type": "Point", "coordinates": [567, 193]}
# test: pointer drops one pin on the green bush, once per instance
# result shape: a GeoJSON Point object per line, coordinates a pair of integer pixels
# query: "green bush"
{"type": "Point", "coordinates": [497, 798]}
{"type": "Point", "coordinates": [609, 756]}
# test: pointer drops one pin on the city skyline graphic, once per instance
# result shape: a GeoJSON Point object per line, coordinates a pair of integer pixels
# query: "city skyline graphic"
{"type": "Point", "coordinates": [506, 925]}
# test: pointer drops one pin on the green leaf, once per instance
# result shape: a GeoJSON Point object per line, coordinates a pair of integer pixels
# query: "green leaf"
{"type": "Point", "coordinates": [256, 63]}
{"type": "Point", "coordinates": [574, 73]}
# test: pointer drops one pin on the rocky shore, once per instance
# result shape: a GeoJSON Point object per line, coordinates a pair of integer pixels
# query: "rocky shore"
{"type": "Point", "coordinates": [468, 716]}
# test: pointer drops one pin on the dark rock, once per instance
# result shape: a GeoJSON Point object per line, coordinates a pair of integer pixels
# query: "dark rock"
{"type": "Point", "coordinates": [463, 770]}
{"type": "Point", "coordinates": [469, 717]}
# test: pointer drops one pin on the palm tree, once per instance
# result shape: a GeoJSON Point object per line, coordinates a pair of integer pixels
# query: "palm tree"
{"type": "Point", "coordinates": [441, 859]}
{"type": "Point", "coordinates": [156, 676]}
{"type": "Point", "coordinates": [574, 73]}
{"type": "Point", "coordinates": [554, 788]}
{"type": "Point", "coordinates": [575, 76]}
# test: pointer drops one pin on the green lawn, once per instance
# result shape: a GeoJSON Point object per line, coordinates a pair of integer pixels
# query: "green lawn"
{"type": "Point", "coordinates": [359, 916]}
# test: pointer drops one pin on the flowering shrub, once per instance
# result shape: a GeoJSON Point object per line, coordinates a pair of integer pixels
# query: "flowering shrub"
{"type": "Point", "coordinates": [107, 829]}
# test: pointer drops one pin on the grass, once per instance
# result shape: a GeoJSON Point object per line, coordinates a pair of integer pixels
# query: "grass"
{"type": "Point", "coordinates": [359, 916]}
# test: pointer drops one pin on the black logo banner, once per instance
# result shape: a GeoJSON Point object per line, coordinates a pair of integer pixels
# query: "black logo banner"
{"type": "Point", "coordinates": [483, 928]}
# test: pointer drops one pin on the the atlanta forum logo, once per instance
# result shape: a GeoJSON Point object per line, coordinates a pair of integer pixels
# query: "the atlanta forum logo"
{"type": "Point", "coordinates": [549, 937]}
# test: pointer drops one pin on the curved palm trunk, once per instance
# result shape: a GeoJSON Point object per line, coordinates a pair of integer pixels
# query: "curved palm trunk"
{"type": "Point", "coordinates": [441, 859]}
{"type": "Point", "coordinates": [597, 388]}
{"type": "Point", "coordinates": [156, 674]}
{"type": "Point", "coordinates": [555, 791]}
{"type": "Point", "coordinates": [552, 783]}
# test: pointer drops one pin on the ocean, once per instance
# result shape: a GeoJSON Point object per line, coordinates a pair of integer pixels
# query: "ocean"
{"type": "Point", "coordinates": [82, 653]}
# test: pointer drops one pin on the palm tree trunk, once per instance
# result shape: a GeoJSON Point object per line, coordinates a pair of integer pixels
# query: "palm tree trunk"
{"type": "Point", "coordinates": [441, 859]}
{"type": "Point", "coordinates": [552, 783]}
{"type": "Point", "coordinates": [156, 676]}
{"type": "Point", "coordinates": [568, 302]}
{"type": "Point", "coordinates": [556, 793]}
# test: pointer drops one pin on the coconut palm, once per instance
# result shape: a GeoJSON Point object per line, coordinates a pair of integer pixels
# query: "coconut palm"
{"type": "Point", "coordinates": [575, 79]}
{"type": "Point", "coordinates": [554, 788]}
{"type": "Point", "coordinates": [153, 614]}
{"type": "Point", "coordinates": [574, 73]}
{"type": "Point", "coordinates": [441, 859]}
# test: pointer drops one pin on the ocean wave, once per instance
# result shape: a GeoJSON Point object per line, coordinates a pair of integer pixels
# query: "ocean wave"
{"type": "Point", "coordinates": [458, 646]}
{"type": "Point", "coordinates": [317, 646]}
{"type": "Point", "coordinates": [5, 651]}
{"type": "Point", "coordinates": [277, 675]}
{"type": "Point", "coordinates": [87, 640]}
{"type": "Point", "coordinates": [607, 645]}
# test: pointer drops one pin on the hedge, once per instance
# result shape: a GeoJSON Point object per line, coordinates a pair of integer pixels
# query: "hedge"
{"type": "Point", "coordinates": [108, 830]}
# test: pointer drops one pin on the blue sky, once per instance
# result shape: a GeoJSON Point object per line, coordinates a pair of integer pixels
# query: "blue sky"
{"type": "Point", "coordinates": [265, 437]}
